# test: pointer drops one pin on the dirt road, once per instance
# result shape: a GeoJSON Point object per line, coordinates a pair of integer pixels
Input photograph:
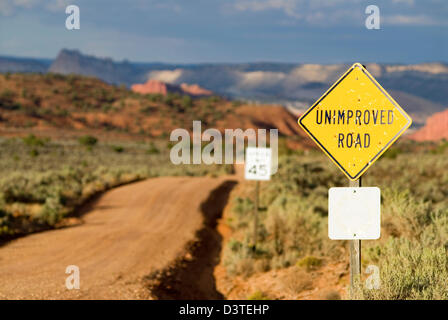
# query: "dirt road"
{"type": "Point", "coordinates": [127, 236]}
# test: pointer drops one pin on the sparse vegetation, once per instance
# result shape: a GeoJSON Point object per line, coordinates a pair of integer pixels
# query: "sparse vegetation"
{"type": "Point", "coordinates": [43, 181]}
{"type": "Point", "coordinates": [61, 101]}
{"type": "Point", "coordinates": [412, 252]}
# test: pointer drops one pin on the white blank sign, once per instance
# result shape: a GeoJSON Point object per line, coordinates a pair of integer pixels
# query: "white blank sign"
{"type": "Point", "coordinates": [257, 164]}
{"type": "Point", "coordinates": [354, 213]}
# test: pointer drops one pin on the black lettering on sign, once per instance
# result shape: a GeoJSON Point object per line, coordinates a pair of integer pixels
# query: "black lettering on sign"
{"type": "Point", "coordinates": [328, 116]}
{"type": "Point", "coordinates": [390, 117]}
{"type": "Point", "coordinates": [350, 141]}
{"type": "Point", "coordinates": [361, 117]}
{"type": "Point", "coordinates": [366, 117]}
{"type": "Point", "coordinates": [317, 117]}
{"type": "Point", "coordinates": [382, 116]}
{"type": "Point", "coordinates": [349, 115]}
{"type": "Point", "coordinates": [358, 141]}
{"type": "Point", "coordinates": [341, 140]}
{"type": "Point", "coordinates": [366, 140]}
{"type": "Point", "coordinates": [375, 116]}
{"type": "Point", "coordinates": [358, 117]}
{"type": "Point", "coordinates": [341, 117]}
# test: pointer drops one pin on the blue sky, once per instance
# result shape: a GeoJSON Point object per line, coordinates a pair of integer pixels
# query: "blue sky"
{"type": "Point", "coordinates": [193, 31]}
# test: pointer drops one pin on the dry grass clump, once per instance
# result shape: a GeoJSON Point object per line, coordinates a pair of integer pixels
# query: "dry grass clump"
{"type": "Point", "coordinates": [296, 281]}
{"type": "Point", "coordinates": [258, 295]}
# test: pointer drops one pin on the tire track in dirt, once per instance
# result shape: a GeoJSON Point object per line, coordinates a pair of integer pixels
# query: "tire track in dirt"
{"type": "Point", "coordinates": [128, 233]}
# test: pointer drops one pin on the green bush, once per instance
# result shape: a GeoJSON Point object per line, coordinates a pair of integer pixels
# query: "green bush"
{"type": "Point", "coordinates": [187, 102]}
{"type": "Point", "coordinates": [118, 149]}
{"type": "Point", "coordinates": [88, 141]}
{"type": "Point", "coordinates": [152, 149]}
{"type": "Point", "coordinates": [32, 140]}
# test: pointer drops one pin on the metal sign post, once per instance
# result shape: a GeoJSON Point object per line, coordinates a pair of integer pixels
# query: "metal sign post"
{"type": "Point", "coordinates": [355, 256]}
{"type": "Point", "coordinates": [257, 167]}
{"type": "Point", "coordinates": [257, 191]}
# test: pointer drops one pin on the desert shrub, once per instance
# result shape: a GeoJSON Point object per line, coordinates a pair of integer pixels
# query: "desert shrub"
{"type": "Point", "coordinates": [169, 99]}
{"type": "Point", "coordinates": [391, 153]}
{"type": "Point", "coordinates": [88, 141]}
{"type": "Point", "coordinates": [410, 270]}
{"type": "Point", "coordinates": [187, 102]}
{"type": "Point", "coordinates": [51, 211]}
{"type": "Point", "coordinates": [153, 149]}
{"type": "Point", "coordinates": [118, 149]}
{"type": "Point", "coordinates": [213, 99]}
{"type": "Point", "coordinates": [310, 262]}
{"type": "Point", "coordinates": [33, 153]}
{"type": "Point", "coordinates": [32, 140]}
{"type": "Point", "coordinates": [148, 109]}
{"type": "Point", "coordinates": [258, 295]}
{"type": "Point", "coordinates": [237, 103]}
{"type": "Point", "coordinates": [296, 281]}
{"type": "Point", "coordinates": [7, 100]}
{"type": "Point", "coordinates": [403, 215]}
{"type": "Point", "coordinates": [154, 97]}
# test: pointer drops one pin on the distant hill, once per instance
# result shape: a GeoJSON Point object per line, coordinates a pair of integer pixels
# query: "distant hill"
{"type": "Point", "coordinates": [66, 105]}
{"type": "Point", "coordinates": [12, 64]}
{"type": "Point", "coordinates": [419, 88]}
{"type": "Point", "coordinates": [72, 61]}
{"type": "Point", "coordinates": [418, 108]}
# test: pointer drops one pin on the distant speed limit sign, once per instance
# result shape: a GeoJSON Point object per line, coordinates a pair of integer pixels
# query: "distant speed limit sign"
{"type": "Point", "coordinates": [257, 164]}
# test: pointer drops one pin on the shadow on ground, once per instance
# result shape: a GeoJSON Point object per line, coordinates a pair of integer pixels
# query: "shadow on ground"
{"type": "Point", "coordinates": [191, 276]}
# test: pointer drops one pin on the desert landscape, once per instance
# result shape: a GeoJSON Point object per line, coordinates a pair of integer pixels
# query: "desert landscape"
{"type": "Point", "coordinates": [68, 139]}
{"type": "Point", "coordinates": [90, 119]}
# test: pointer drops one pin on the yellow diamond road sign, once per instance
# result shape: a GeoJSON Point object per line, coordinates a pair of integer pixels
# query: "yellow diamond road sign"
{"type": "Point", "coordinates": [355, 121]}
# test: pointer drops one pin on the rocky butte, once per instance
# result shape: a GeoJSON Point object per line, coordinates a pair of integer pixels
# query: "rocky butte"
{"type": "Point", "coordinates": [155, 86]}
{"type": "Point", "coordinates": [436, 128]}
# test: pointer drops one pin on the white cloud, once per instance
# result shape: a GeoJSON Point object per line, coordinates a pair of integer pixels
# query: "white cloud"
{"type": "Point", "coordinates": [167, 76]}
{"type": "Point", "coordinates": [415, 20]}
{"type": "Point", "coordinates": [288, 6]}
{"type": "Point", "coordinates": [58, 5]}
{"type": "Point", "coordinates": [326, 12]}
{"type": "Point", "coordinates": [316, 11]}
{"type": "Point", "coordinates": [408, 2]}
{"type": "Point", "coordinates": [8, 7]}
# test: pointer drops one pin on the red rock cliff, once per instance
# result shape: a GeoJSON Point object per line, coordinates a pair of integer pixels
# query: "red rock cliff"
{"type": "Point", "coordinates": [151, 86]}
{"type": "Point", "coordinates": [436, 128]}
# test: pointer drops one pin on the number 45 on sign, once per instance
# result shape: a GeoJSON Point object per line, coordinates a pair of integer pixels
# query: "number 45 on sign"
{"type": "Point", "coordinates": [257, 164]}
